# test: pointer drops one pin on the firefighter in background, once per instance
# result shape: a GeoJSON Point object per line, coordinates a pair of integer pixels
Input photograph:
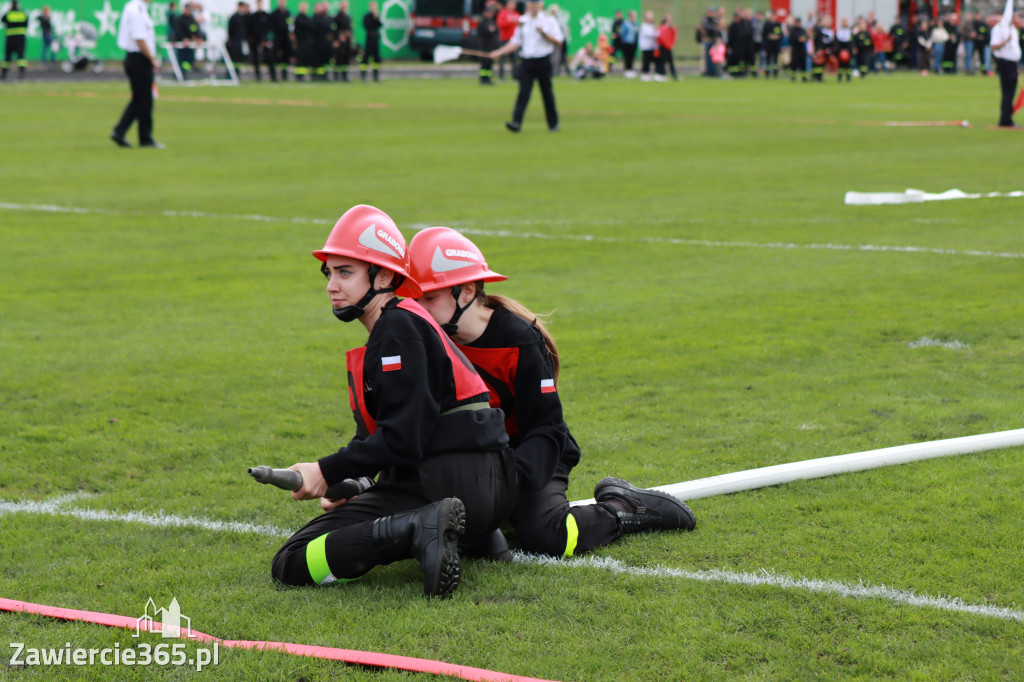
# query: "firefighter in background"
{"type": "Point", "coordinates": [323, 40]}
{"type": "Point", "coordinates": [238, 30]}
{"type": "Point", "coordinates": [192, 36]}
{"type": "Point", "coordinates": [900, 43]}
{"type": "Point", "coordinates": [283, 49]}
{"type": "Point", "coordinates": [739, 45]}
{"type": "Point", "coordinates": [797, 50]}
{"type": "Point", "coordinates": [261, 50]}
{"type": "Point", "coordinates": [15, 22]}
{"type": "Point", "coordinates": [371, 50]}
{"type": "Point", "coordinates": [842, 48]}
{"type": "Point", "coordinates": [342, 41]}
{"type": "Point", "coordinates": [771, 38]}
{"type": "Point", "coordinates": [487, 35]}
{"type": "Point", "coordinates": [424, 428]}
{"type": "Point", "coordinates": [863, 47]}
{"type": "Point", "coordinates": [302, 29]}
{"type": "Point", "coordinates": [822, 39]}
{"type": "Point", "coordinates": [514, 353]}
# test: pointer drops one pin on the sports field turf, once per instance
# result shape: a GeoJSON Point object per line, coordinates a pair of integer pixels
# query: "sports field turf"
{"type": "Point", "coordinates": [718, 308]}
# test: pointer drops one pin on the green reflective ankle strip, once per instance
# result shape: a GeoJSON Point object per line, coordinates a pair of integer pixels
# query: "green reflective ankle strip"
{"type": "Point", "coordinates": [316, 561]}
{"type": "Point", "coordinates": [572, 534]}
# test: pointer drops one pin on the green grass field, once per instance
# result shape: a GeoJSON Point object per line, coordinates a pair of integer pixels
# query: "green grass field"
{"type": "Point", "coordinates": [163, 326]}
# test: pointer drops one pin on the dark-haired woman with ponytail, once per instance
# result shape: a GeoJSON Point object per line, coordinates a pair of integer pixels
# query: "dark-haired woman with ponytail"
{"type": "Point", "coordinates": [515, 354]}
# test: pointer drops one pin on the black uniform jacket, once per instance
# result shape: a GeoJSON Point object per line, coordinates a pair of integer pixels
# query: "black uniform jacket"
{"type": "Point", "coordinates": [511, 357]}
{"type": "Point", "coordinates": [409, 390]}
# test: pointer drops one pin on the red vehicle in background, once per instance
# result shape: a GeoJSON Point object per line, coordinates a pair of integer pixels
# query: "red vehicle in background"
{"type": "Point", "coordinates": [443, 22]}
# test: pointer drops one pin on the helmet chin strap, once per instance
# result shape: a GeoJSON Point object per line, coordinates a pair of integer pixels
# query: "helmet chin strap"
{"type": "Point", "coordinates": [354, 312]}
{"type": "Point", "coordinates": [451, 327]}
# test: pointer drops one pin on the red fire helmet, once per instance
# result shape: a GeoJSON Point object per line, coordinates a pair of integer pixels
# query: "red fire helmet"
{"type": "Point", "coordinates": [441, 257]}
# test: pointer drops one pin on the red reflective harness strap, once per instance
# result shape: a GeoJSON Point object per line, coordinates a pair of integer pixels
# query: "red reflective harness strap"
{"type": "Point", "coordinates": [354, 361]}
{"type": "Point", "coordinates": [467, 382]}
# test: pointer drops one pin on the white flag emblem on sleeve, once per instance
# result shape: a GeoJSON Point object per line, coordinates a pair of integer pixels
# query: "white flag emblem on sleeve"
{"type": "Point", "coordinates": [391, 363]}
{"type": "Point", "coordinates": [547, 385]}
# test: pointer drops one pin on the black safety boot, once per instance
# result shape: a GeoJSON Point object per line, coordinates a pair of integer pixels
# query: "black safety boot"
{"type": "Point", "coordinates": [639, 510]}
{"type": "Point", "coordinates": [432, 534]}
{"type": "Point", "coordinates": [492, 547]}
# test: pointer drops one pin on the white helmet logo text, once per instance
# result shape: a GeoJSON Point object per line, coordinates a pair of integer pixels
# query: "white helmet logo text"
{"type": "Point", "coordinates": [440, 263]}
{"type": "Point", "coordinates": [379, 240]}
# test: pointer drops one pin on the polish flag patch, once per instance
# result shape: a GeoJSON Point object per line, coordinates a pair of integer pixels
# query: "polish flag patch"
{"type": "Point", "coordinates": [547, 385]}
{"type": "Point", "coordinates": [391, 363]}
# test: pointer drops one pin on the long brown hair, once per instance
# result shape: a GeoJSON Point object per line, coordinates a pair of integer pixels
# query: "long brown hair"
{"type": "Point", "coordinates": [519, 310]}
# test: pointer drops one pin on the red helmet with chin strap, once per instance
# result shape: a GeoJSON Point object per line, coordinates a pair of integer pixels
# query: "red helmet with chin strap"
{"type": "Point", "coordinates": [369, 234]}
{"type": "Point", "coordinates": [440, 257]}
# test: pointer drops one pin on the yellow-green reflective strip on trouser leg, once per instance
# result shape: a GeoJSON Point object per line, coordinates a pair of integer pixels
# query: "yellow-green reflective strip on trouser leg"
{"type": "Point", "coordinates": [316, 563]}
{"type": "Point", "coordinates": [572, 534]}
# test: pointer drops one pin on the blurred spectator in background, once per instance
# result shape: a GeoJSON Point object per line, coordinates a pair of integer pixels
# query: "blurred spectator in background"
{"type": "Point", "coordinates": [648, 43]}
{"type": "Point", "coordinates": [260, 50]}
{"type": "Point", "coordinates": [709, 33]}
{"type": "Point", "coordinates": [302, 29]}
{"type": "Point", "coordinates": [238, 33]}
{"type": "Point", "coordinates": [981, 43]}
{"type": "Point", "coordinates": [342, 41]}
{"type": "Point", "coordinates": [487, 41]}
{"type": "Point", "coordinates": [585, 63]}
{"type": "Point", "coordinates": [629, 37]}
{"type": "Point", "coordinates": [282, 49]}
{"type": "Point", "coordinates": [15, 23]}
{"type": "Point", "coordinates": [191, 37]}
{"type": "Point", "coordinates": [371, 50]}
{"type": "Point", "coordinates": [968, 37]}
{"type": "Point", "coordinates": [949, 49]}
{"type": "Point", "coordinates": [771, 38]}
{"type": "Point", "coordinates": [560, 57]}
{"type": "Point", "coordinates": [797, 50]}
{"type": "Point", "coordinates": [757, 42]}
{"type": "Point", "coordinates": [882, 44]}
{"type": "Point", "coordinates": [864, 48]}
{"type": "Point", "coordinates": [172, 22]}
{"type": "Point", "coordinates": [508, 21]}
{"type": "Point", "coordinates": [667, 35]}
{"type": "Point", "coordinates": [323, 40]}
{"type": "Point", "coordinates": [48, 55]}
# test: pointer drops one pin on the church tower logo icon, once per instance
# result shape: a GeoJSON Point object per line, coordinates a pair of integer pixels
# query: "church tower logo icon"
{"type": "Point", "coordinates": [169, 618]}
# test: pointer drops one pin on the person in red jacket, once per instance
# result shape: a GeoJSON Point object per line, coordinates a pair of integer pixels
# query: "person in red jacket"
{"type": "Point", "coordinates": [514, 353]}
{"type": "Point", "coordinates": [666, 43]}
{"type": "Point", "coordinates": [424, 427]}
{"type": "Point", "coordinates": [508, 21]}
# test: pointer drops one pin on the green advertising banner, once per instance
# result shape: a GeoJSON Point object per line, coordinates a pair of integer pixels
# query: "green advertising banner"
{"type": "Point", "coordinates": [91, 25]}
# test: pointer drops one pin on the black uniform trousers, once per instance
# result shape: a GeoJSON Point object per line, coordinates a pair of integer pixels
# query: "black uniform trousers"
{"type": "Point", "coordinates": [541, 520]}
{"type": "Point", "coordinates": [140, 75]}
{"type": "Point", "coordinates": [14, 49]}
{"type": "Point", "coordinates": [539, 70]}
{"type": "Point", "coordinates": [485, 482]}
{"type": "Point", "coordinates": [1007, 71]}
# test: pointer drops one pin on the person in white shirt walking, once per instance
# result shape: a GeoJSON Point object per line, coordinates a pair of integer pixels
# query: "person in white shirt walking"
{"type": "Point", "coordinates": [136, 37]}
{"type": "Point", "coordinates": [536, 38]}
{"type": "Point", "coordinates": [1005, 44]}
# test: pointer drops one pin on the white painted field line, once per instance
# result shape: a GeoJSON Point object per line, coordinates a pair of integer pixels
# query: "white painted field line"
{"type": "Point", "coordinates": [467, 228]}
{"type": "Point", "coordinates": [58, 506]}
{"type": "Point", "coordinates": [771, 579]}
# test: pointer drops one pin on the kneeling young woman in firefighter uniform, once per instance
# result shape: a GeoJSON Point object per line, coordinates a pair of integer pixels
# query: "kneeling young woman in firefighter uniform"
{"type": "Point", "coordinates": [517, 357]}
{"type": "Point", "coordinates": [423, 423]}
